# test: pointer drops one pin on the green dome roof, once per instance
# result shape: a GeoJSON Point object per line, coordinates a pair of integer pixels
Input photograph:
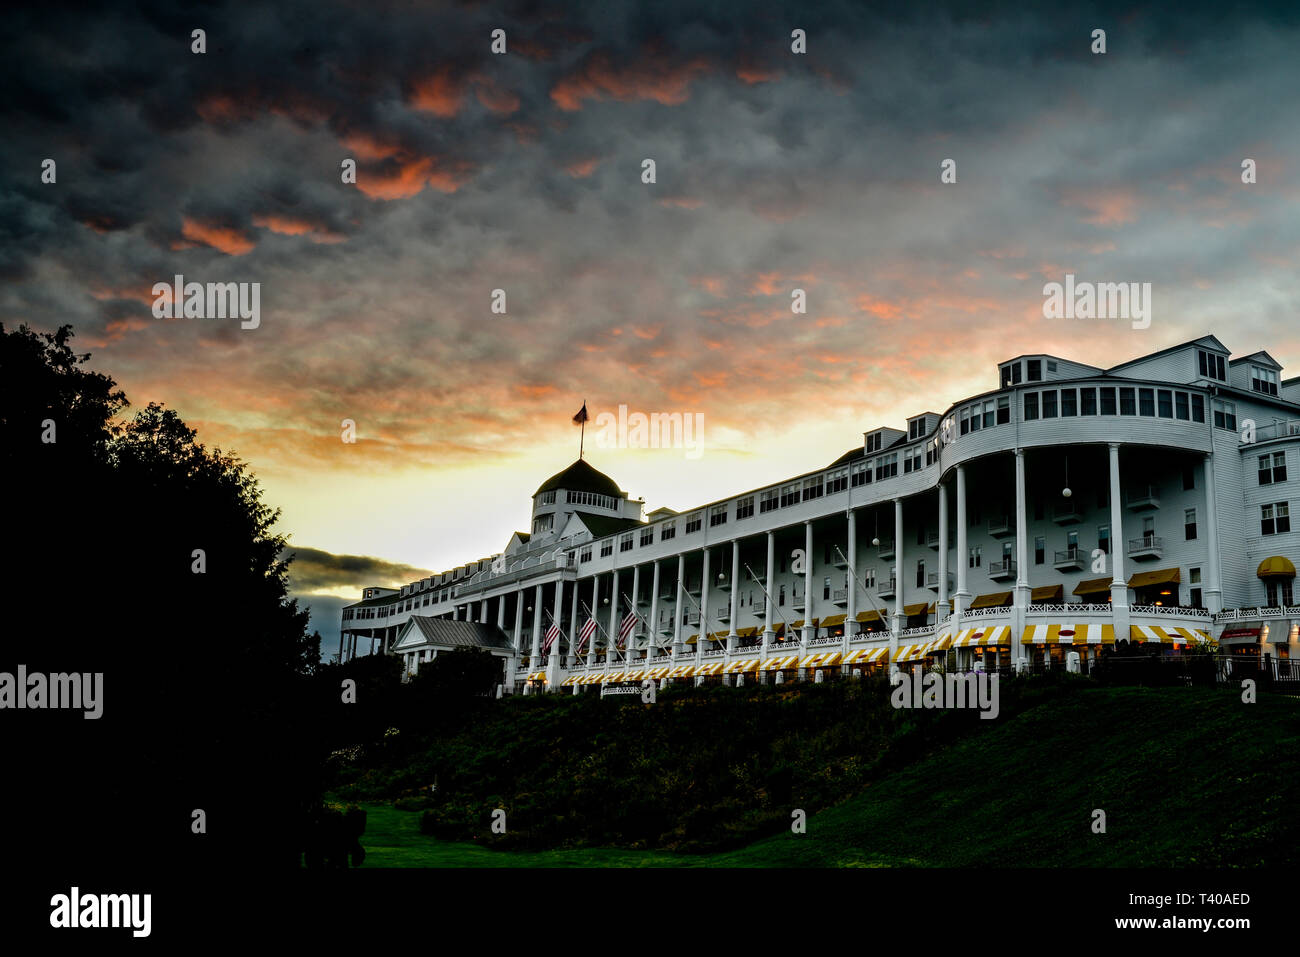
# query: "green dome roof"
{"type": "Point", "coordinates": [581, 477]}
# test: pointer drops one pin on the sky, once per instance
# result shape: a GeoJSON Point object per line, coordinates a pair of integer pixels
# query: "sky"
{"type": "Point", "coordinates": [523, 171]}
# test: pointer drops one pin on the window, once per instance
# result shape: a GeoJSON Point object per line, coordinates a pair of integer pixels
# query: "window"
{"type": "Point", "coordinates": [965, 421]}
{"type": "Point", "coordinates": [745, 508]}
{"type": "Point", "coordinates": [1194, 578]}
{"type": "Point", "coordinates": [1035, 371]}
{"type": "Point", "coordinates": [607, 548]}
{"type": "Point", "coordinates": [625, 543]}
{"type": "Point", "coordinates": [1211, 365]}
{"type": "Point", "coordinates": [1225, 415]}
{"type": "Point", "coordinates": [1006, 554]}
{"type": "Point", "coordinates": [1189, 524]}
{"type": "Point", "coordinates": [826, 588]}
{"type": "Point", "coordinates": [1103, 538]}
{"type": "Point", "coordinates": [1088, 401]}
{"type": "Point", "coordinates": [975, 557]}
{"type": "Point", "coordinates": [693, 523]}
{"type": "Point", "coordinates": [989, 414]}
{"type": "Point", "coordinates": [1031, 405]}
{"type": "Point", "coordinates": [1126, 404]}
{"type": "Point", "coordinates": [812, 488]}
{"type": "Point", "coordinates": [648, 536]}
{"type": "Point", "coordinates": [1107, 400]}
{"type": "Point", "coordinates": [1040, 550]}
{"type": "Point", "coordinates": [875, 442]}
{"type": "Point", "coordinates": [920, 573]}
{"type": "Point", "coordinates": [717, 516]}
{"type": "Point", "coordinates": [1004, 409]}
{"type": "Point", "coordinates": [1198, 408]}
{"type": "Point", "coordinates": [1263, 380]}
{"type": "Point", "coordinates": [1189, 478]}
{"type": "Point", "coordinates": [1275, 519]}
{"type": "Point", "coordinates": [1165, 398]}
{"type": "Point", "coordinates": [1069, 402]}
{"type": "Point", "coordinates": [1180, 406]}
{"type": "Point", "coordinates": [1279, 593]}
{"type": "Point", "coordinates": [1051, 365]}
{"type": "Point", "coordinates": [1272, 468]}
{"type": "Point", "coordinates": [1071, 540]}
{"type": "Point", "coordinates": [886, 466]}
{"type": "Point", "coordinates": [789, 494]}
{"type": "Point", "coordinates": [768, 500]}
{"type": "Point", "coordinates": [546, 498]}
{"type": "Point", "coordinates": [1146, 401]}
{"type": "Point", "coordinates": [869, 578]}
{"type": "Point", "coordinates": [837, 481]}
{"type": "Point", "coordinates": [913, 461]}
{"type": "Point", "coordinates": [915, 429]}
{"type": "Point", "coordinates": [667, 532]}
{"type": "Point", "coordinates": [1049, 404]}
{"type": "Point", "coordinates": [1011, 374]}
{"type": "Point", "coordinates": [861, 473]}
{"type": "Point", "coordinates": [780, 597]}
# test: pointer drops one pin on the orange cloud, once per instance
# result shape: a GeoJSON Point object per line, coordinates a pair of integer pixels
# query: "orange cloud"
{"type": "Point", "coordinates": [401, 179]}
{"type": "Point", "coordinates": [289, 226]}
{"type": "Point", "coordinates": [581, 169]}
{"type": "Point", "coordinates": [1112, 207]}
{"type": "Point", "coordinates": [648, 79]}
{"type": "Point", "coordinates": [439, 93]}
{"type": "Point", "coordinates": [227, 239]}
{"type": "Point", "coordinates": [681, 202]}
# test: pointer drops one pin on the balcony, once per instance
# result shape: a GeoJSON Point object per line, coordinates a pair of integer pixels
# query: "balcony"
{"type": "Point", "coordinates": [1071, 559]}
{"type": "Point", "coordinates": [692, 618]}
{"type": "Point", "coordinates": [797, 603]}
{"type": "Point", "coordinates": [1066, 513]}
{"type": "Point", "coordinates": [886, 548]}
{"type": "Point", "coordinates": [1143, 498]}
{"type": "Point", "coordinates": [1146, 548]}
{"type": "Point", "coordinates": [887, 589]}
{"type": "Point", "coordinates": [840, 596]}
{"type": "Point", "coordinates": [724, 614]}
{"type": "Point", "coordinates": [1002, 571]}
{"type": "Point", "coordinates": [932, 582]}
{"type": "Point", "coordinates": [1002, 526]}
{"type": "Point", "coordinates": [932, 539]}
{"type": "Point", "coordinates": [838, 560]}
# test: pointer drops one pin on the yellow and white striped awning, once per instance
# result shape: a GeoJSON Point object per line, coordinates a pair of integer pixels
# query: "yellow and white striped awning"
{"type": "Point", "coordinates": [571, 680]}
{"type": "Point", "coordinates": [1167, 634]}
{"type": "Point", "coordinates": [832, 621]}
{"type": "Point", "coordinates": [657, 673]}
{"type": "Point", "coordinates": [741, 667]}
{"type": "Point", "coordinates": [613, 676]}
{"type": "Point", "coordinates": [825, 660]}
{"type": "Point", "coordinates": [914, 652]}
{"type": "Point", "coordinates": [681, 671]}
{"type": "Point", "coordinates": [943, 642]}
{"type": "Point", "coordinates": [710, 668]}
{"type": "Point", "coordinates": [537, 676]}
{"type": "Point", "coordinates": [779, 663]}
{"type": "Point", "coordinates": [973, 637]}
{"type": "Point", "coordinates": [634, 675]}
{"type": "Point", "coordinates": [866, 656]}
{"type": "Point", "coordinates": [1068, 634]}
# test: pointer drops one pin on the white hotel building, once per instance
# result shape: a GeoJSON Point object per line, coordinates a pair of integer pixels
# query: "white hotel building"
{"type": "Point", "coordinates": [953, 539]}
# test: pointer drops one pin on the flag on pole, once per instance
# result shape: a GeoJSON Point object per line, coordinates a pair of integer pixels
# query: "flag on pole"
{"type": "Point", "coordinates": [551, 634]}
{"type": "Point", "coordinates": [626, 627]}
{"type": "Point", "coordinates": [588, 630]}
{"type": "Point", "coordinates": [582, 416]}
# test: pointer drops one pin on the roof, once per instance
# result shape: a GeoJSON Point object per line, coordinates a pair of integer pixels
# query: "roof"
{"type": "Point", "coordinates": [850, 456]}
{"type": "Point", "coordinates": [581, 477]}
{"type": "Point", "coordinates": [601, 526]}
{"type": "Point", "coordinates": [1209, 341]}
{"type": "Point", "coordinates": [457, 634]}
{"type": "Point", "coordinates": [1257, 358]}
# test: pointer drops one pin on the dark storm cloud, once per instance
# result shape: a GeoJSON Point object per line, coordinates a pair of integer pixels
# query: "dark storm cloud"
{"type": "Point", "coordinates": [313, 570]}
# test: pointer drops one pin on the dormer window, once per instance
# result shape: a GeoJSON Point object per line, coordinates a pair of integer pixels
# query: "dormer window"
{"type": "Point", "coordinates": [1263, 380]}
{"type": "Point", "coordinates": [1211, 365]}
{"type": "Point", "coordinates": [1010, 374]}
{"type": "Point", "coordinates": [546, 498]}
{"type": "Point", "coordinates": [1035, 371]}
{"type": "Point", "coordinates": [875, 442]}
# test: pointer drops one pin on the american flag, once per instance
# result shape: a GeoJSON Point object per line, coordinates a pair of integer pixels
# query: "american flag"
{"type": "Point", "coordinates": [626, 627]}
{"type": "Point", "coordinates": [588, 630]}
{"type": "Point", "coordinates": [551, 634]}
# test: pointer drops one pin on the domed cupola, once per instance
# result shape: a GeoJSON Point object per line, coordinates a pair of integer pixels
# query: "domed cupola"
{"type": "Point", "coordinates": [580, 487]}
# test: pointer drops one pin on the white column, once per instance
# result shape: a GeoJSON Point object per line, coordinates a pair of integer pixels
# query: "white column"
{"type": "Point", "coordinates": [704, 605]}
{"type": "Point", "coordinates": [1022, 561]}
{"type": "Point", "coordinates": [652, 645]}
{"type": "Point", "coordinates": [613, 619]}
{"type": "Point", "coordinates": [943, 606]}
{"type": "Point", "coordinates": [558, 616]}
{"type": "Point", "coordinates": [595, 604]}
{"type": "Point", "coordinates": [482, 611]}
{"type": "Point", "coordinates": [635, 609]}
{"type": "Point", "coordinates": [537, 628]}
{"type": "Point", "coordinates": [571, 659]}
{"type": "Point", "coordinates": [677, 606]}
{"type": "Point", "coordinates": [519, 620]}
{"type": "Point", "coordinates": [898, 583]}
{"type": "Point", "coordinates": [735, 593]}
{"type": "Point", "coordinates": [771, 595]}
{"type": "Point", "coordinates": [961, 600]}
{"type": "Point", "coordinates": [807, 586]}
{"type": "Point", "coordinates": [1214, 587]}
{"type": "Point", "coordinates": [851, 553]}
{"type": "Point", "coordinates": [501, 611]}
{"type": "Point", "coordinates": [1118, 586]}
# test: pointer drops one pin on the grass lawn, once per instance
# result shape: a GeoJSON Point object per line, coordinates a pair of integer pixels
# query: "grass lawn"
{"type": "Point", "coordinates": [1186, 777]}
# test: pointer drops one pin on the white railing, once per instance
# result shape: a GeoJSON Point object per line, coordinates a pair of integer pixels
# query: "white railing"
{"type": "Point", "coordinates": [986, 612]}
{"type": "Point", "coordinates": [1172, 611]}
{"type": "Point", "coordinates": [818, 642]}
{"type": "Point", "coordinates": [717, 653]}
{"type": "Point", "coordinates": [661, 659]}
{"type": "Point", "coordinates": [1245, 614]}
{"type": "Point", "coordinates": [1069, 608]}
{"type": "Point", "coordinates": [922, 630]}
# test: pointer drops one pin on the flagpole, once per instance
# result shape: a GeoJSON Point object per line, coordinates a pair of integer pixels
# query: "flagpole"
{"type": "Point", "coordinates": [583, 436]}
